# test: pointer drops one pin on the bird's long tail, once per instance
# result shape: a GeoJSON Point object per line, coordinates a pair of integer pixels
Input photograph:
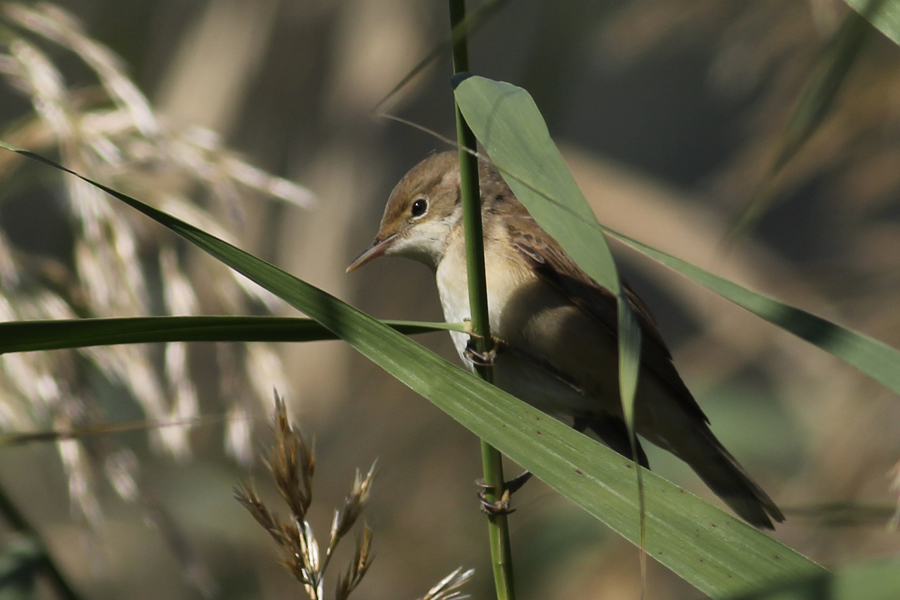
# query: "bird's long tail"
{"type": "Point", "coordinates": [728, 480]}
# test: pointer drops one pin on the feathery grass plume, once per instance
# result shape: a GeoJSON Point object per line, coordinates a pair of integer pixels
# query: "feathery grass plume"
{"type": "Point", "coordinates": [79, 474]}
{"type": "Point", "coordinates": [97, 122]}
{"type": "Point", "coordinates": [107, 129]}
{"type": "Point", "coordinates": [111, 133]}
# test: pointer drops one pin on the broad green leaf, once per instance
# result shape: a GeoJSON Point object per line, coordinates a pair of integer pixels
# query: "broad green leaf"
{"type": "Point", "coordinates": [717, 553]}
{"type": "Point", "coordinates": [29, 336]}
{"type": "Point", "coordinates": [509, 125]}
{"type": "Point", "coordinates": [883, 14]}
{"type": "Point", "coordinates": [875, 581]}
{"type": "Point", "coordinates": [875, 359]}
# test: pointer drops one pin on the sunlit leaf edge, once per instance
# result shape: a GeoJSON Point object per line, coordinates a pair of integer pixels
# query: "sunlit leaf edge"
{"type": "Point", "coordinates": [883, 14]}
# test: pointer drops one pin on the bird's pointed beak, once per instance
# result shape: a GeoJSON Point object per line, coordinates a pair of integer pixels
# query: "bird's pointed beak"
{"type": "Point", "coordinates": [377, 248]}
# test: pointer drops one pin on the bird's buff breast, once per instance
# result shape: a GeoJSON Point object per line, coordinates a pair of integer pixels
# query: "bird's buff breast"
{"type": "Point", "coordinates": [514, 372]}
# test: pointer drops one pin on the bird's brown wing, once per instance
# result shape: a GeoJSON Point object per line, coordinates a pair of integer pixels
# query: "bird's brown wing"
{"type": "Point", "coordinates": [550, 262]}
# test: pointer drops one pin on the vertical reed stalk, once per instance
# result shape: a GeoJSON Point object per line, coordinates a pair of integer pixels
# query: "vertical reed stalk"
{"type": "Point", "coordinates": [492, 464]}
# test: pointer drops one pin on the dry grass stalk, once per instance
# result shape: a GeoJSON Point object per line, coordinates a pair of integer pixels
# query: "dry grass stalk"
{"type": "Point", "coordinates": [292, 463]}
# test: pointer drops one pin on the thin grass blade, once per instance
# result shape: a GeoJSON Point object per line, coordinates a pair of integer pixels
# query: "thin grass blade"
{"type": "Point", "coordinates": [30, 336]}
{"type": "Point", "coordinates": [872, 357]}
{"type": "Point", "coordinates": [8, 438]}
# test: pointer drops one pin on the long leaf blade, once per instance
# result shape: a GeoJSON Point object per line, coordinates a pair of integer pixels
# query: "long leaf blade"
{"type": "Point", "coordinates": [712, 550]}
{"type": "Point", "coordinates": [511, 128]}
{"type": "Point", "coordinates": [883, 14]}
{"type": "Point", "coordinates": [872, 357]}
{"type": "Point", "coordinates": [31, 336]}
{"type": "Point", "coordinates": [872, 581]}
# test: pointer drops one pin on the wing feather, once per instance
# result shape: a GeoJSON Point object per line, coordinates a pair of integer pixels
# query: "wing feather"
{"type": "Point", "coordinates": [551, 263]}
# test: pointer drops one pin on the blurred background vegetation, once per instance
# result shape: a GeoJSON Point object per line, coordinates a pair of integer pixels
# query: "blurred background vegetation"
{"type": "Point", "coordinates": [669, 113]}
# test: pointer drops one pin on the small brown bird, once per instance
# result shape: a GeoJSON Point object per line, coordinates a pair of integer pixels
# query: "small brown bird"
{"type": "Point", "coordinates": [556, 328]}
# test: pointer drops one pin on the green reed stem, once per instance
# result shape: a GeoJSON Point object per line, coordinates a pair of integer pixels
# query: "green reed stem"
{"type": "Point", "coordinates": [491, 459]}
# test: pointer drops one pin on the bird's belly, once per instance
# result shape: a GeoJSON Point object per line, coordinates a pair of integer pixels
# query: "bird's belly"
{"type": "Point", "coordinates": [514, 371]}
{"type": "Point", "coordinates": [541, 389]}
{"type": "Point", "coordinates": [531, 383]}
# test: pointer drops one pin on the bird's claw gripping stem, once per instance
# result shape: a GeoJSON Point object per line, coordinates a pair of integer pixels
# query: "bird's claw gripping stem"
{"type": "Point", "coordinates": [501, 506]}
{"type": "Point", "coordinates": [481, 359]}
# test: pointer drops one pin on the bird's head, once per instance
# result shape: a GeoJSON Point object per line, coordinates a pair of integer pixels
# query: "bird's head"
{"type": "Point", "coordinates": [420, 214]}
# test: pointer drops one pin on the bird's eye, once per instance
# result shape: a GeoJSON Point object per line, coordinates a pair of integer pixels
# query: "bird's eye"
{"type": "Point", "coordinates": [419, 207]}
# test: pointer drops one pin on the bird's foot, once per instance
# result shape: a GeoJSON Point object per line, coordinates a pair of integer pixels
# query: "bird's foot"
{"type": "Point", "coordinates": [478, 358]}
{"type": "Point", "coordinates": [501, 506]}
{"type": "Point", "coordinates": [495, 509]}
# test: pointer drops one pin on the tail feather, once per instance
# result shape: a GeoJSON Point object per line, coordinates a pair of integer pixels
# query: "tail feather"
{"type": "Point", "coordinates": [612, 431]}
{"type": "Point", "coordinates": [663, 419]}
{"type": "Point", "coordinates": [728, 480]}
{"type": "Point", "coordinates": [706, 456]}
